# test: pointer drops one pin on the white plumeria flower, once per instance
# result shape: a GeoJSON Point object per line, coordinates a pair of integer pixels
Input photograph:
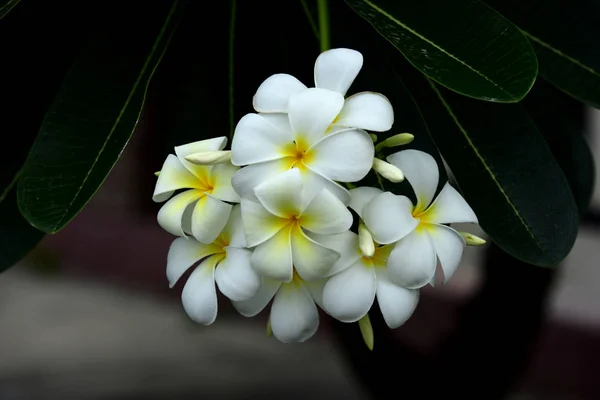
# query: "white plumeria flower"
{"type": "Point", "coordinates": [422, 237]}
{"type": "Point", "coordinates": [294, 316]}
{"type": "Point", "coordinates": [202, 210]}
{"type": "Point", "coordinates": [276, 226]}
{"type": "Point", "coordinates": [226, 261]}
{"type": "Point", "coordinates": [335, 70]}
{"type": "Point", "coordinates": [272, 143]}
{"type": "Point", "coordinates": [350, 292]}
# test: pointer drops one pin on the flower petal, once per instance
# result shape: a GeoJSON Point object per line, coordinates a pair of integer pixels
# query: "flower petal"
{"type": "Point", "coordinates": [209, 218]}
{"type": "Point", "coordinates": [396, 303]}
{"type": "Point", "coordinates": [312, 260]}
{"type": "Point", "coordinates": [345, 156]}
{"type": "Point", "coordinates": [349, 295]}
{"type": "Point", "coordinates": [199, 147]}
{"type": "Point", "coordinates": [246, 179]}
{"type": "Point", "coordinates": [235, 277]}
{"type": "Point", "coordinates": [421, 171]}
{"type": "Point", "coordinates": [412, 263]}
{"type": "Point", "coordinates": [170, 215]}
{"type": "Point", "coordinates": [345, 243]}
{"type": "Point", "coordinates": [266, 291]}
{"type": "Point", "coordinates": [312, 110]}
{"type": "Point", "coordinates": [274, 93]}
{"type": "Point", "coordinates": [199, 296]}
{"type": "Point", "coordinates": [259, 224]}
{"type": "Point", "coordinates": [336, 69]}
{"type": "Point", "coordinates": [273, 258]}
{"type": "Point", "coordinates": [281, 121]}
{"type": "Point", "coordinates": [314, 183]}
{"type": "Point", "coordinates": [233, 232]}
{"type": "Point", "coordinates": [282, 194]}
{"type": "Point", "coordinates": [326, 214]}
{"type": "Point", "coordinates": [388, 217]}
{"type": "Point", "coordinates": [173, 176]}
{"type": "Point", "coordinates": [256, 140]}
{"type": "Point", "coordinates": [315, 288]}
{"type": "Point", "coordinates": [449, 246]}
{"type": "Point", "coordinates": [449, 207]}
{"type": "Point", "coordinates": [367, 110]}
{"type": "Point", "coordinates": [220, 176]}
{"type": "Point", "coordinates": [183, 253]}
{"type": "Point", "coordinates": [294, 315]}
{"type": "Point", "coordinates": [360, 196]}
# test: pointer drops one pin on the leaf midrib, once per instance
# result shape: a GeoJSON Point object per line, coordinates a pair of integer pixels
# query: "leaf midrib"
{"type": "Point", "coordinates": [452, 56]}
{"type": "Point", "coordinates": [487, 168]}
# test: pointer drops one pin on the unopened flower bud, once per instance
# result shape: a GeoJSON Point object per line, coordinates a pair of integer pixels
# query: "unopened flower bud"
{"type": "Point", "coordinates": [373, 137]}
{"type": "Point", "coordinates": [209, 157]}
{"type": "Point", "coordinates": [366, 330]}
{"type": "Point", "coordinates": [396, 140]}
{"type": "Point", "coordinates": [388, 171]}
{"type": "Point", "coordinates": [365, 241]}
{"type": "Point", "coordinates": [157, 173]}
{"type": "Point", "coordinates": [471, 239]}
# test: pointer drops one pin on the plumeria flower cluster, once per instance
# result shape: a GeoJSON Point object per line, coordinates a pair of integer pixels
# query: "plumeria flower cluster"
{"type": "Point", "coordinates": [270, 221]}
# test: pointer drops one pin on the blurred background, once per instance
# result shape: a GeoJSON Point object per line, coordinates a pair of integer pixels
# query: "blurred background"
{"type": "Point", "coordinates": [88, 314]}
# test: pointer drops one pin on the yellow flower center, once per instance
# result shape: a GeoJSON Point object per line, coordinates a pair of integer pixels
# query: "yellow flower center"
{"type": "Point", "coordinates": [297, 154]}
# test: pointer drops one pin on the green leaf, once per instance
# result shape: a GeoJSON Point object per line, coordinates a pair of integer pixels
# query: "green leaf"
{"type": "Point", "coordinates": [18, 236]}
{"type": "Point", "coordinates": [505, 171]}
{"type": "Point", "coordinates": [94, 114]}
{"type": "Point", "coordinates": [6, 6]}
{"type": "Point", "coordinates": [565, 38]}
{"type": "Point", "coordinates": [462, 44]}
{"type": "Point", "coordinates": [559, 119]}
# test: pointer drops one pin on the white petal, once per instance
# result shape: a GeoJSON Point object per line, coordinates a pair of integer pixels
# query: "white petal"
{"type": "Point", "coordinates": [235, 277]}
{"type": "Point", "coordinates": [315, 288]}
{"type": "Point", "coordinates": [199, 296]}
{"type": "Point", "coordinates": [173, 176]}
{"type": "Point", "coordinates": [234, 230]}
{"type": "Point", "coordinates": [256, 140]}
{"type": "Point", "coordinates": [345, 156]}
{"type": "Point", "coordinates": [183, 253]}
{"type": "Point", "coordinates": [266, 291]}
{"type": "Point", "coordinates": [344, 243]}
{"type": "Point", "coordinates": [199, 147]}
{"type": "Point", "coordinates": [294, 316]}
{"type": "Point", "coordinates": [274, 93]}
{"type": "Point", "coordinates": [312, 110]}
{"type": "Point", "coordinates": [367, 110]}
{"type": "Point", "coordinates": [259, 224]}
{"type": "Point", "coordinates": [449, 246]}
{"type": "Point", "coordinates": [282, 194]}
{"type": "Point", "coordinates": [412, 263]}
{"type": "Point", "coordinates": [220, 176]}
{"type": "Point", "coordinates": [314, 183]}
{"type": "Point", "coordinates": [336, 69]}
{"type": "Point", "coordinates": [312, 260]}
{"type": "Point", "coordinates": [396, 303]}
{"type": "Point", "coordinates": [360, 196]}
{"type": "Point", "coordinates": [170, 216]}
{"type": "Point", "coordinates": [326, 214]}
{"type": "Point", "coordinates": [449, 207]}
{"type": "Point", "coordinates": [349, 295]}
{"type": "Point", "coordinates": [273, 258]}
{"type": "Point", "coordinates": [246, 179]}
{"type": "Point", "coordinates": [281, 122]}
{"type": "Point", "coordinates": [209, 218]}
{"type": "Point", "coordinates": [388, 217]}
{"type": "Point", "coordinates": [421, 171]}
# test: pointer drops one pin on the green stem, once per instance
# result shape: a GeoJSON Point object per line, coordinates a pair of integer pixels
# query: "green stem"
{"type": "Point", "coordinates": [231, 51]}
{"type": "Point", "coordinates": [323, 12]}
{"type": "Point", "coordinates": [311, 20]}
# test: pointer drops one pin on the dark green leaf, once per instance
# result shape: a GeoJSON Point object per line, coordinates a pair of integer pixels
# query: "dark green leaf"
{"type": "Point", "coordinates": [94, 114]}
{"type": "Point", "coordinates": [505, 170]}
{"type": "Point", "coordinates": [461, 44]}
{"type": "Point", "coordinates": [559, 119]}
{"type": "Point", "coordinates": [565, 38]}
{"type": "Point", "coordinates": [6, 6]}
